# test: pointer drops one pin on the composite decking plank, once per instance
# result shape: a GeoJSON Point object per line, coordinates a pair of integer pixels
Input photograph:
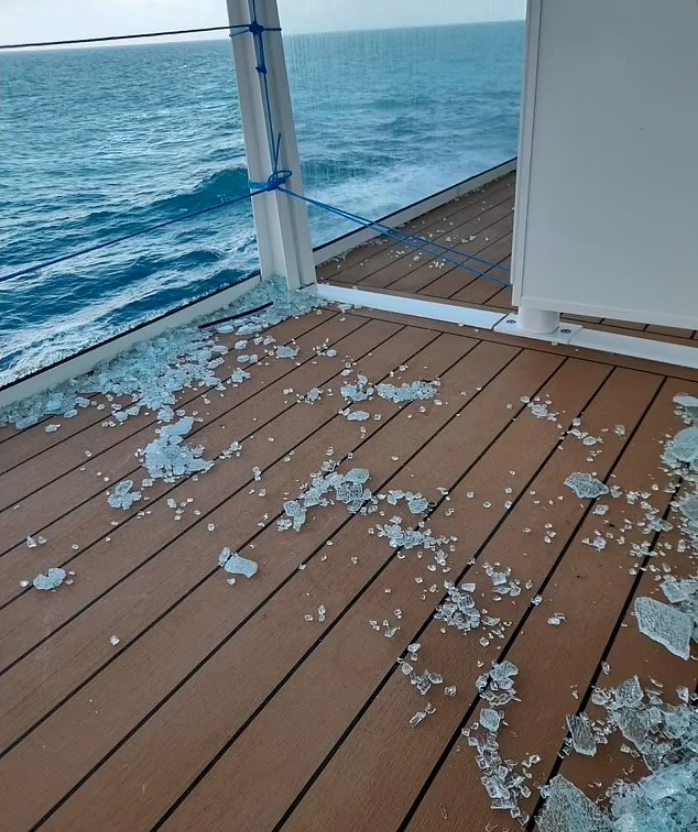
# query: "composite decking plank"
{"type": "Point", "coordinates": [385, 250]}
{"type": "Point", "coordinates": [676, 331]}
{"type": "Point", "coordinates": [423, 268]}
{"type": "Point", "coordinates": [25, 624]}
{"type": "Point", "coordinates": [445, 280]}
{"type": "Point", "coordinates": [34, 440]}
{"type": "Point", "coordinates": [343, 672]}
{"type": "Point", "coordinates": [592, 588]}
{"type": "Point", "coordinates": [461, 231]}
{"type": "Point", "coordinates": [91, 520]}
{"type": "Point", "coordinates": [46, 504]}
{"type": "Point", "coordinates": [184, 561]}
{"type": "Point", "coordinates": [485, 197]}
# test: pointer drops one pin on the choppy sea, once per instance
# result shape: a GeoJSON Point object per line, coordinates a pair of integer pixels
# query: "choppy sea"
{"type": "Point", "coordinates": [100, 142]}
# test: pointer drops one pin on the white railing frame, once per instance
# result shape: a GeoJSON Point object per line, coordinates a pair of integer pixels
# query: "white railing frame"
{"type": "Point", "coordinates": [281, 222]}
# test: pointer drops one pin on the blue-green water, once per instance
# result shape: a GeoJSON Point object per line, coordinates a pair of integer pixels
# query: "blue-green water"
{"type": "Point", "coordinates": [97, 143]}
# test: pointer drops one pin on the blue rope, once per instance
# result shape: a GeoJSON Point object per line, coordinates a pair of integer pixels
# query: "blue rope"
{"type": "Point", "coordinates": [279, 177]}
{"type": "Point", "coordinates": [108, 243]}
{"type": "Point", "coordinates": [391, 232]}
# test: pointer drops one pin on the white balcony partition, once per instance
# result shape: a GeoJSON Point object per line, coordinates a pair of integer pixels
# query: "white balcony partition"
{"type": "Point", "coordinates": [607, 192]}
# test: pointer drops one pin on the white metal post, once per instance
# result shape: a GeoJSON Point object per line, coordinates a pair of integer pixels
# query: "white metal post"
{"type": "Point", "coordinates": [281, 221]}
{"type": "Point", "coordinates": [539, 321]}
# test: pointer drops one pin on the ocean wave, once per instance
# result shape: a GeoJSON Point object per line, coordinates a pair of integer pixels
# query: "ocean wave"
{"type": "Point", "coordinates": [379, 126]}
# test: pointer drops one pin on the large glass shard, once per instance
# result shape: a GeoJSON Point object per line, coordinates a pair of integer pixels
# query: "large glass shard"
{"type": "Point", "coordinates": [54, 577]}
{"type": "Point", "coordinates": [568, 809]}
{"type": "Point", "coordinates": [677, 590]}
{"type": "Point", "coordinates": [581, 734]}
{"type": "Point", "coordinates": [586, 486]}
{"type": "Point", "coordinates": [122, 495]}
{"type": "Point", "coordinates": [683, 448]}
{"type": "Point", "coordinates": [490, 719]}
{"type": "Point", "coordinates": [236, 564]}
{"type": "Point", "coordinates": [665, 624]}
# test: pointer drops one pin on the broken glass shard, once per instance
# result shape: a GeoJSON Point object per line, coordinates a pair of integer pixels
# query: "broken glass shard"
{"type": "Point", "coordinates": [665, 624]}
{"type": "Point", "coordinates": [586, 486]}
{"type": "Point", "coordinates": [490, 719]}
{"type": "Point", "coordinates": [236, 564]}
{"type": "Point", "coordinates": [122, 496]}
{"type": "Point", "coordinates": [54, 577]}
{"type": "Point", "coordinates": [285, 352]}
{"type": "Point", "coordinates": [582, 735]}
{"type": "Point", "coordinates": [683, 448]}
{"type": "Point", "coordinates": [358, 416]}
{"type": "Point", "coordinates": [568, 809]}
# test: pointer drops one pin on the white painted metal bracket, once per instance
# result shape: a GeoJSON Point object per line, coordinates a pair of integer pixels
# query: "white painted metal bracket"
{"type": "Point", "coordinates": [651, 349]}
{"type": "Point", "coordinates": [566, 333]}
{"type": "Point", "coordinates": [562, 334]}
{"type": "Point", "coordinates": [410, 305]}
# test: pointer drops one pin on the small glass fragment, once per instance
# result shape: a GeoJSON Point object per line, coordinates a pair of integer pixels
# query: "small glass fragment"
{"type": "Point", "coordinates": [122, 496]}
{"type": "Point", "coordinates": [235, 564]}
{"type": "Point", "coordinates": [53, 578]}
{"type": "Point", "coordinates": [586, 486]}
{"type": "Point", "coordinates": [417, 718]}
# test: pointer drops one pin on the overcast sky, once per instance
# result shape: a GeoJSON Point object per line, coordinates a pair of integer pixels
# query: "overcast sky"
{"type": "Point", "coordinates": [40, 20]}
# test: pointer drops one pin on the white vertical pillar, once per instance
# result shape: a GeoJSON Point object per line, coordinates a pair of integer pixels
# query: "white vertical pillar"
{"type": "Point", "coordinates": [540, 321]}
{"type": "Point", "coordinates": [281, 221]}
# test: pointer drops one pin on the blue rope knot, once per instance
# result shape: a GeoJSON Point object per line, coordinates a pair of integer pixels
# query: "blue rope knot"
{"type": "Point", "coordinates": [255, 28]}
{"type": "Point", "coordinates": [273, 183]}
{"type": "Point", "coordinates": [261, 69]}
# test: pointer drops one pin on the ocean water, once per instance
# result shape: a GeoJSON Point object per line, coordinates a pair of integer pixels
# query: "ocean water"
{"type": "Point", "coordinates": [100, 142]}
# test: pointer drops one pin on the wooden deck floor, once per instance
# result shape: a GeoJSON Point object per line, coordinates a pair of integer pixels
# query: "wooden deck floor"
{"type": "Point", "coordinates": [479, 223]}
{"type": "Point", "coordinates": [221, 707]}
